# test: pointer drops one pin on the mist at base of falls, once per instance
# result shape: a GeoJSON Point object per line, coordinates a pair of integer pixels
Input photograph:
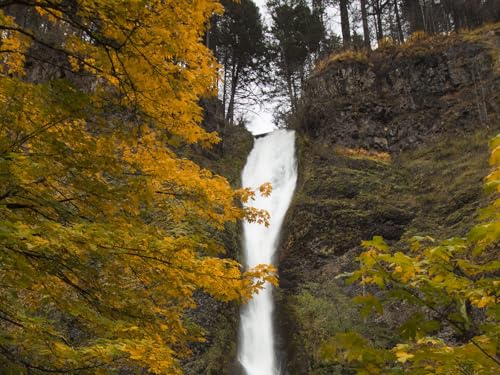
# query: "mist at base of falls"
{"type": "Point", "coordinates": [272, 159]}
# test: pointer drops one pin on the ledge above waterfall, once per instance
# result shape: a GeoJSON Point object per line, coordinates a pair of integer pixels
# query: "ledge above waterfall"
{"type": "Point", "coordinates": [261, 135]}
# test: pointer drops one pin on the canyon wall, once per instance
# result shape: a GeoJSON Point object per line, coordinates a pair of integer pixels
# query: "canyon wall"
{"type": "Point", "coordinates": [392, 144]}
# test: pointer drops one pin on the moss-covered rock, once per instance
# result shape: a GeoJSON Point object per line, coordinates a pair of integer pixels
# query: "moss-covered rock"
{"type": "Point", "coordinates": [401, 96]}
{"type": "Point", "coordinates": [435, 189]}
{"type": "Point", "coordinates": [421, 107]}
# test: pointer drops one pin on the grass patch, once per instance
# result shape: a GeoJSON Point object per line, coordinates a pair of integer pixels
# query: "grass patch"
{"type": "Point", "coordinates": [417, 44]}
{"type": "Point", "coordinates": [363, 154]}
{"type": "Point", "coordinates": [350, 55]}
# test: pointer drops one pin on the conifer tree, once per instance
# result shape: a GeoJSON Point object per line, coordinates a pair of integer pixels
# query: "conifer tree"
{"type": "Point", "coordinates": [240, 48]}
{"type": "Point", "coordinates": [297, 33]}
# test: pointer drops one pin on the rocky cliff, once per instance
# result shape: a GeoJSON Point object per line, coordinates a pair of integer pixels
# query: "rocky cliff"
{"type": "Point", "coordinates": [392, 144]}
{"type": "Point", "coordinates": [400, 96]}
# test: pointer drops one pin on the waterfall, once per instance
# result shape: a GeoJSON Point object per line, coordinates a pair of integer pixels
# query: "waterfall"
{"type": "Point", "coordinates": [272, 159]}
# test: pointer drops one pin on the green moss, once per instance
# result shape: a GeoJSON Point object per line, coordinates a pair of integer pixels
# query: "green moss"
{"type": "Point", "coordinates": [444, 181]}
{"type": "Point", "coordinates": [439, 185]}
{"type": "Point", "coordinates": [433, 190]}
{"type": "Point", "coordinates": [221, 350]}
{"type": "Point", "coordinates": [323, 309]}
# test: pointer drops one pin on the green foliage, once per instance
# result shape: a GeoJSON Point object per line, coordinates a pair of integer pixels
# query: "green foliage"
{"type": "Point", "coordinates": [454, 286]}
{"type": "Point", "coordinates": [321, 314]}
{"type": "Point", "coordinates": [322, 311]}
{"type": "Point", "coordinates": [351, 348]}
{"type": "Point", "coordinates": [369, 304]}
{"type": "Point", "coordinates": [297, 30]}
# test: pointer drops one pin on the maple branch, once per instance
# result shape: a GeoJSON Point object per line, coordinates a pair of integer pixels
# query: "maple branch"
{"type": "Point", "coordinates": [164, 261]}
{"type": "Point", "coordinates": [8, 193]}
{"type": "Point", "coordinates": [48, 45]}
{"type": "Point", "coordinates": [15, 206]}
{"type": "Point", "coordinates": [41, 129]}
{"type": "Point", "coordinates": [494, 359]}
{"type": "Point", "coordinates": [439, 314]}
{"type": "Point", "coordinates": [7, 354]}
{"type": "Point", "coordinates": [10, 320]}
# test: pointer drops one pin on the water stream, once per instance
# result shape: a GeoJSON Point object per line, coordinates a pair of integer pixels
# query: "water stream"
{"type": "Point", "coordinates": [272, 159]}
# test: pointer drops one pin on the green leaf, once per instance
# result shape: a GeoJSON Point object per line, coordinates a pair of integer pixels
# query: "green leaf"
{"type": "Point", "coordinates": [495, 141]}
{"type": "Point", "coordinates": [418, 326]}
{"type": "Point", "coordinates": [369, 303]}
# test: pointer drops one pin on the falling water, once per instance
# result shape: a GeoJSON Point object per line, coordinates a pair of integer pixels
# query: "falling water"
{"type": "Point", "coordinates": [272, 160]}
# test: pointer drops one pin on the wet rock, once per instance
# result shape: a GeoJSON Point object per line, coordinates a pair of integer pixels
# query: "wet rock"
{"type": "Point", "coordinates": [381, 143]}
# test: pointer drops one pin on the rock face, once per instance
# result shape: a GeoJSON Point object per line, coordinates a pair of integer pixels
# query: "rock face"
{"type": "Point", "coordinates": [403, 96]}
{"type": "Point", "coordinates": [423, 119]}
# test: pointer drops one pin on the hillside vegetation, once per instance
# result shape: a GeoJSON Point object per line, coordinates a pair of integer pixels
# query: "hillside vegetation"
{"type": "Point", "coordinates": [370, 165]}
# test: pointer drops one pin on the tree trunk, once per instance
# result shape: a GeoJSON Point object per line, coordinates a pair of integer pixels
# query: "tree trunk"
{"type": "Point", "coordinates": [366, 30]}
{"type": "Point", "coordinates": [291, 94]}
{"type": "Point", "coordinates": [446, 18]}
{"type": "Point", "coordinates": [344, 20]}
{"type": "Point", "coordinates": [393, 34]}
{"type": "Point", "coordinates": [224, 87]}
{"type": "Point", "coordinates": [422, 10]}
{"type": "Point", "coordinates": [398, 22]}
{"type": "Point", "coordinates": [289, 86]}
{"type": "Point", "coordinates": [288, 77]}
{"type": "Point", "coordinates": [235, 72]}
{"type": "Point", "coordinates": [378, 12]}
{"type": "Point", "coordinates": [295, 95]}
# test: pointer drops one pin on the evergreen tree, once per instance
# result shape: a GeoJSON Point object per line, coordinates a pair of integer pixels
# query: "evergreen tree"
{"type": "Point", "coordinates": [239, 45]}
{"type": "Point", "coordinates": [297, 34]}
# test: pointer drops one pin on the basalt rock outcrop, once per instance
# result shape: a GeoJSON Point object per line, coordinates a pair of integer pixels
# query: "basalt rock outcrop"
{"type": "Point", "coordinates": [399, 97]}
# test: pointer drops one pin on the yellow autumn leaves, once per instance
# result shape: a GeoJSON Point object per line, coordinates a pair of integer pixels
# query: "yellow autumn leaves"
{"type": "Point", "coordinates": [107, 234]}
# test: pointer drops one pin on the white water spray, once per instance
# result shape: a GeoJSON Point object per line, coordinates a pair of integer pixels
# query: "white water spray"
{"type": "Point", "coordinates": [272, 159]}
